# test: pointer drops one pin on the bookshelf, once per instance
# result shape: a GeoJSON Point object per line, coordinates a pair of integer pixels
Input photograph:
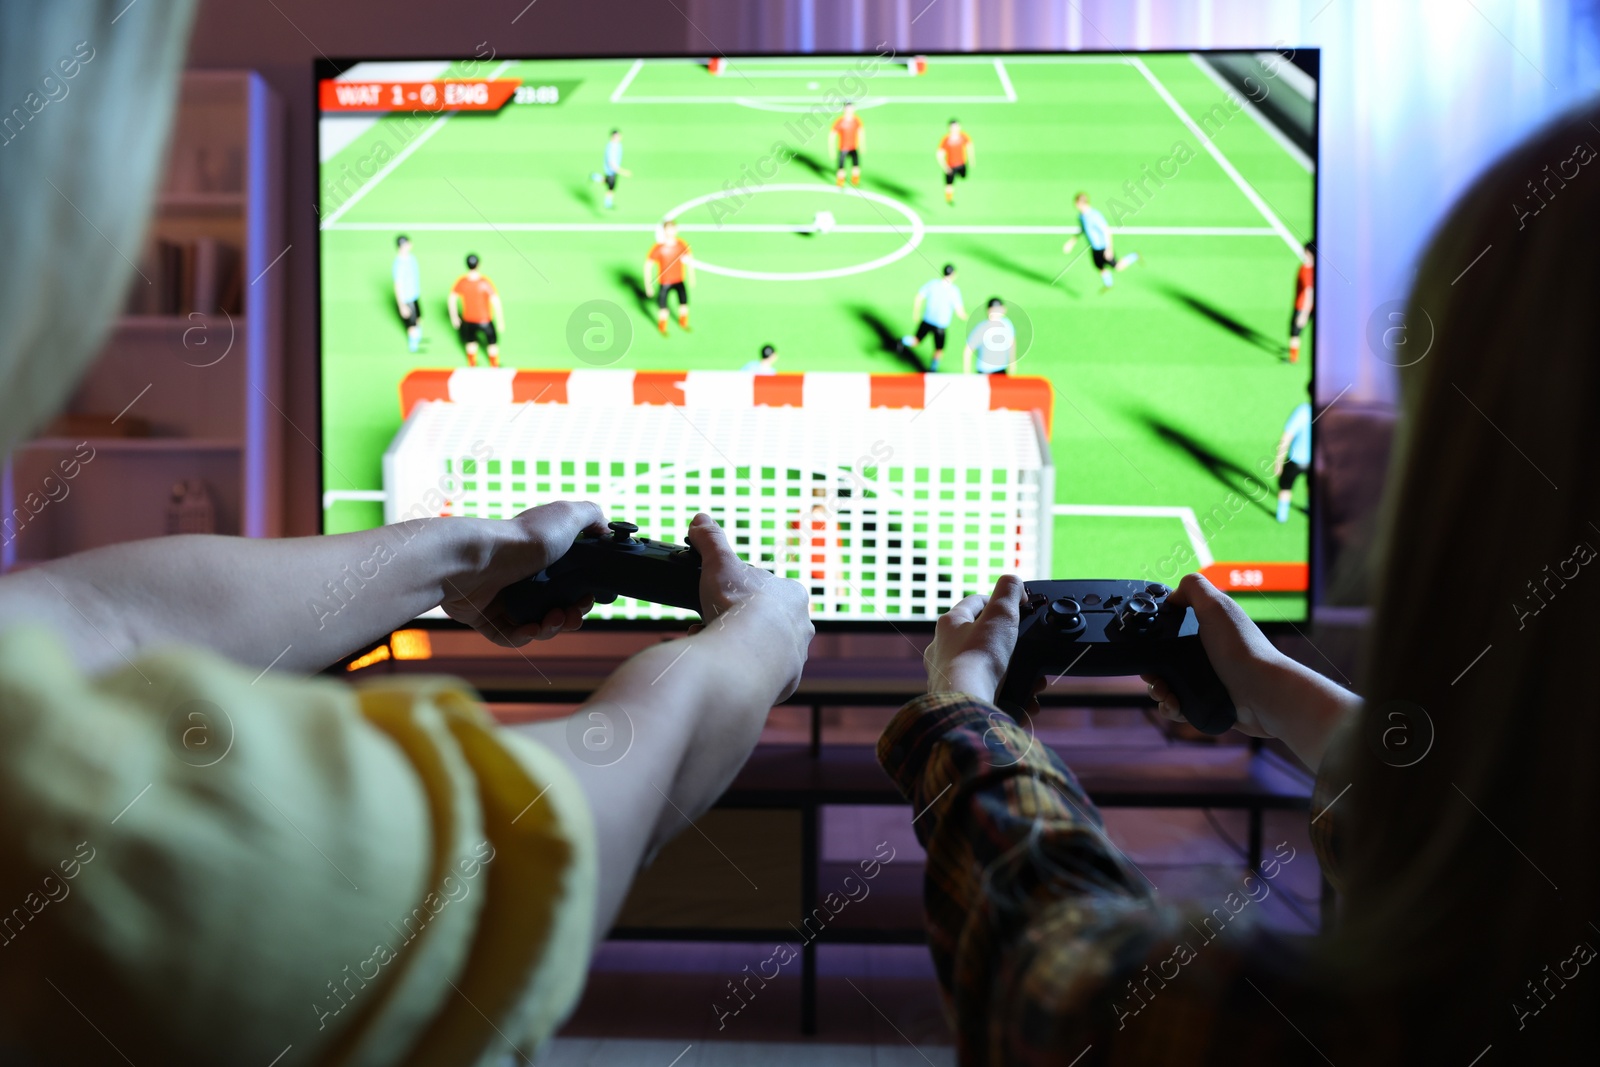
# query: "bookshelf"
{"type": "Point", "coordinates": [189, 384]}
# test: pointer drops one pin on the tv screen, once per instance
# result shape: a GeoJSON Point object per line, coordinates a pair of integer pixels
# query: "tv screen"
{"type": "Point", "coordinates": [902, 324]}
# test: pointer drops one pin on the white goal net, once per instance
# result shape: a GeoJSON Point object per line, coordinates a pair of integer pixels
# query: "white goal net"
{"type": "Point", "coordinates": [882, 513]}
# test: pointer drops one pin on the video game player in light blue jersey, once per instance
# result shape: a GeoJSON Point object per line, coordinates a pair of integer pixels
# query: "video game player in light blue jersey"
{"type": "Point", "coordinates": [937, 303]}
{"type": "Point", "coordinates": [612, 168]}
{"type": "Point", "coordinates": [994, 341]}
{"type": "Point", "coordinates": [408, 290]}
{"type": "Point", "coordinates": [1098, 233]}
{"type": "Point", "coordinates": [767, 364]}
{"type": "Point", "coordinates": [1294, 456]}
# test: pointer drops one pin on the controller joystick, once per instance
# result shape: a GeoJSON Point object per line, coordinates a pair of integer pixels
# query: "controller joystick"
{"type": "Point", "coordinates": [1065, 616]}
{"type": "Point", "coordinates": [1138, 613]}
{"type": "Point", "coordinates": [1095, 627]}
{"type": "Point", "coordinates": [604, 568]}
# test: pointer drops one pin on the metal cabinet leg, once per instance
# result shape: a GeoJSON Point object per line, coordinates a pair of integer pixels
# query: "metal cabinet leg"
{"type": "Point", "coordinates": [809, 846]}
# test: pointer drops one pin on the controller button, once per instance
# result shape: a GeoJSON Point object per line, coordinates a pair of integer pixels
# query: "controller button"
{"type": "Point", "coordinates": [1157, 590]}
{"type": "Point", "coordinates": [1037, 600]}
{"type": "Point", "coordinates": [1091, 599]}
{"type": "Point", "coordinates": [1138, 612]}
{"type": "Point", "coordinates": [622, 532]}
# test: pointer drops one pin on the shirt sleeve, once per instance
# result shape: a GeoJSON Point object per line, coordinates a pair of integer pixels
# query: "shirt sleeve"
{"type": "Point", "coordinates": [1047, 940]}
{"type": "Point", "coordinates": [227, 868]}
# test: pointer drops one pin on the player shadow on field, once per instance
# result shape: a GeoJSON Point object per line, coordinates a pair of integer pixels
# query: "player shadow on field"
{"type": "Point", "coordinates": [887, 185]}
{"type": "Point", "coordinates": [888, 340]}
{"type": "Point", "coordinates": [1221, 318]}
{"type": "Point", "coordinates": [631, 281]}
{"type": "Point", "coordinates": [584, 193]}
{"type": "Point", "coordinates": [1234, 477]}
{"type": "Point", "coordinates": [1010, 266]}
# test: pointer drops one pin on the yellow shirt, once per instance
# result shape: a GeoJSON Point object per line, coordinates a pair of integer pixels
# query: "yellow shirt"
{"type": "Point", "coordinates": [198, 867]}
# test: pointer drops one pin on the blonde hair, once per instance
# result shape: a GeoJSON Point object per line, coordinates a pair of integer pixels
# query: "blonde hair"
{"type": "Point", "coordinates": [80, 155]}
{"type": "Point", "coordinates": [1471, 871]}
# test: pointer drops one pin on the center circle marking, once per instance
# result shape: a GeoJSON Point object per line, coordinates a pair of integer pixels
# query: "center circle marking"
{"type": "Point", "coordinates": [913, 239]}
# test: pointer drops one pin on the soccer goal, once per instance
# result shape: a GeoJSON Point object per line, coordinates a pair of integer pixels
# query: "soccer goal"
{"type": "Point", "coordinates": [881, 512]}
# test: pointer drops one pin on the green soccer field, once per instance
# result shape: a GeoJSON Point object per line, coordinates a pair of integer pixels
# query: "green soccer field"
{"type": "Point", "coordinates": [1171, 389]}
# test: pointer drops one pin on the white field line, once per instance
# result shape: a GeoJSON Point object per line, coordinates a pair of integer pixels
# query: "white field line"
{"type": "Point", "coordinates": [745, 100]}
{"type": "Point", "coordinates": [1222, 160]}
{"type": "Point", "coordinates": [792, 73]}
{"type": "Point", "coordinates": [1005, 81]}
{"type": "Point", "coordinates": [1191, 525]}
{"type": "Point", "coordinates": [400, 157]}
{"type": "Point", "coordinates": [331, 497]}
{"type": "Point", "coordinates": [783, 227]}
{"type": "Point", "coordinates": [627, 80]}
{"type": "Point", "coordinates": [967, 60]}
{"type": "Point", "coordinates": [1266, 124]}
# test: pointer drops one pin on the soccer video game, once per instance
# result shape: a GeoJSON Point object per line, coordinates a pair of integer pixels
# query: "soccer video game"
{"type": "Point", "coordinates": [901, 324]}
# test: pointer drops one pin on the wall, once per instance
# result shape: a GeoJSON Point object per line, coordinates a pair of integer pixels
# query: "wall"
{"type": "Point", "coordinates": [280, 38]}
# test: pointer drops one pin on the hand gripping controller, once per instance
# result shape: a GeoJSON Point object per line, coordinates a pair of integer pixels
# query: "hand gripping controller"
{"type": "Point", "coordinates": [1106, 627]}
{"type": "Point", "coordinates": [608, 567]}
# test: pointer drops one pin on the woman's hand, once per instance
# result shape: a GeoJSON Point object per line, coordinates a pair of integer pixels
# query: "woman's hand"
{"type": "Point", "coordinates": [502, 551]}
{"type": "Point", "coordinates": [1254, 672]}
{"type": "Point", "coordinates": [973, 642]}
{"type": "Point", "coordinates": [1272, 694]}
{"type": "Point", "coordinates": [772, 614]}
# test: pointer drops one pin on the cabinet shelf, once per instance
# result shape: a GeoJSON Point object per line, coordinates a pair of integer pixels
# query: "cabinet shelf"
{"type": "Point", "coordinates": [135, 445]}
{"type": "Point", "coordinates": [167, 322]}
{"type": "Point", "coordinates": [207, 385]}
{"type": "Point", "coordinates": [201, 203]}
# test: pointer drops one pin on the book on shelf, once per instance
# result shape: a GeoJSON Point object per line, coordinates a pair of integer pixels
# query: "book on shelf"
{"type": "Point", "coordinates": [204, 275]}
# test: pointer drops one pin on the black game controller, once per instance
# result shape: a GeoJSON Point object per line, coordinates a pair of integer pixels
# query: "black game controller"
{"type": "Point", "coordinates": [608, 567]}
{"type": "Point", "coordinates": [1105, 627]}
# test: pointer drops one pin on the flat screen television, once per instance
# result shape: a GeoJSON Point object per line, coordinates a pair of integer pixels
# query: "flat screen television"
{"type": "Point", "coordinates": [1044, 314]}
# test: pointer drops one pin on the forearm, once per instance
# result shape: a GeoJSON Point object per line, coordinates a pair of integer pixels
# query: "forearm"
{"type": "Point", "coordinates": [707, 686]}
{"type": "Point", "coordinates": [1307, 712]}
{"type": "Point", "coordinates": [677, 724]}
{"type": "Point", "coordinates": [296, 603]}
{"type": "Point", "coordinates": [1007, 828]}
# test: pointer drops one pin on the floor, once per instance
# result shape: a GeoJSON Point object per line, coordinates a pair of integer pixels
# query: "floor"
{"type": "Point", "coordinates": [877, 1006]}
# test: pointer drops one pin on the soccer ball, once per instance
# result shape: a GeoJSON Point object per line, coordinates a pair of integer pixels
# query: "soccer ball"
{"type": "Point", "coordinates": [823, 223]}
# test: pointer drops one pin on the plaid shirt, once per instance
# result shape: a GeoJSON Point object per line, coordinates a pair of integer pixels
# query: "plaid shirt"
{"type": "Point", "coordinates": [1052, 948]}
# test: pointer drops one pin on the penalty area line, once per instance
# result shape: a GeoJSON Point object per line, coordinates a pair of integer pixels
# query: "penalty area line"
{"type": "Point", "coordinates": [1185, 515]}
{"type": "Point", "coordinates": [1228, 168]}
